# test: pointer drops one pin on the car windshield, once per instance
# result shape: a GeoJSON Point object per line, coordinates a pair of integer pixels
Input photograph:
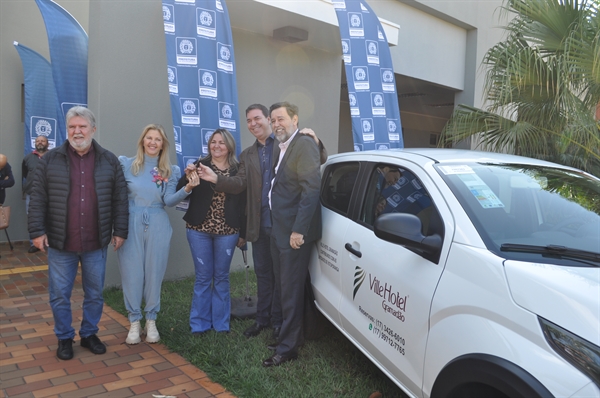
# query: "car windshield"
{"type": "Point", "coordinates": [530, 213]}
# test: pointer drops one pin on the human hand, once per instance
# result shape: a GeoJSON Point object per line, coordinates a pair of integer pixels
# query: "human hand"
{"type": "Point", "coordinates": [189, 168]}
{"type": "Point", "coordinates": [193, 181]}
{"type": "Point", "coordinates": [310, 133]}
{"type": "Point", "coordinates": [41, 242]}
{"type": "Point", "coordinates": [207, 174]}
{"type": "Point", "coordinates": [296, 240]}
{"type": "Point", "coordinates": [117, 242]}
{"type": "Point", "coordinates": [241, 242]}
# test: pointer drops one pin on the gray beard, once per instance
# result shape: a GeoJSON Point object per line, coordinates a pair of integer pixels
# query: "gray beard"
{"type": "Point", "coordinates": [283, 138]}
{"type": "Point", "coordinates": [83, 146]}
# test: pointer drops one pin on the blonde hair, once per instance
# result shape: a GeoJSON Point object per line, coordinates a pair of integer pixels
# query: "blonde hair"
{"type": "Point", "coordinates": [164, 163]}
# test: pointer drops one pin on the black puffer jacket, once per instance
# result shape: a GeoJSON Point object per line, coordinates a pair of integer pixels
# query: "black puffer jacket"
{"type": "Point", "coordinates": [50, 193]}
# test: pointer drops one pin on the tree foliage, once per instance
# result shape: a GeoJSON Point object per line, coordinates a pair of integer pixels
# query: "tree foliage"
{"type": "Point", "coordinates": [542, 86]}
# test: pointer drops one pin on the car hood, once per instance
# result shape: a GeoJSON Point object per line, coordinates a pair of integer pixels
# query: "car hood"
{"type": "Point", "coordinates": [566, 296]}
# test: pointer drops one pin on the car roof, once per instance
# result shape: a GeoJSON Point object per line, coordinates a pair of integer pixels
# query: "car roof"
{"type": "Point", "coordinates": [443, 155]}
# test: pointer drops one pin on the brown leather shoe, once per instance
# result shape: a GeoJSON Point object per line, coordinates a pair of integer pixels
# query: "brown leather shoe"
{"type": "Point", "coordinates": [278, 359]}
{"type": "Point", "coordinates": [272, 346]}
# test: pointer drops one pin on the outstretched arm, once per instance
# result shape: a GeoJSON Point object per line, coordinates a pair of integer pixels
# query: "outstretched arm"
{"type": "Point", "coordinates": [232, 184]}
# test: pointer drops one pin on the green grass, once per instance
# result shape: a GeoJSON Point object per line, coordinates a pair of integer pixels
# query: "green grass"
{"type": "Point", "coordinates": [328, 367]}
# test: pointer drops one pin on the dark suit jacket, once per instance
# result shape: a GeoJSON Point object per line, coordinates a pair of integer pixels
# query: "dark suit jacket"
{"type": "Point", "coordinates": [249, 177]}
{"type": "Point", "coordinates": [295, 193]}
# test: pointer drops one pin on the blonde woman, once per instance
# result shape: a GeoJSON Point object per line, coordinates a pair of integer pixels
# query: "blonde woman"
{"type": "Point", "coordinates": [151, 182]}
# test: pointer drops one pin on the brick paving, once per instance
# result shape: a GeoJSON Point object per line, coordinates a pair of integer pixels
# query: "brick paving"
{"type": "Point", "coordinates": [28, 363]}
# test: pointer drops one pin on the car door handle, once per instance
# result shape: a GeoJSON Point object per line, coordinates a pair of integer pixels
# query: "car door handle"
{"type": "Point", "coordinates": [353, 250]}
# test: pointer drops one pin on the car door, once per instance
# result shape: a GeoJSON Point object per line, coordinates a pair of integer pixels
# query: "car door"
{"type": "Point", "coordinates": [386, 288]}
{"type": "Point", "coordinates": [338, 183]}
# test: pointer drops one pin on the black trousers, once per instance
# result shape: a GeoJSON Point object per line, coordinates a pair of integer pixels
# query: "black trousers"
{"type": "Point", "coordinates": [290, 268]}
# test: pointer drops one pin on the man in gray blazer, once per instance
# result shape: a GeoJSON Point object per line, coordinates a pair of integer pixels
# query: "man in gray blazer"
{"type": "Point", "coordinates": [296, 218]}
{"type": "Point", "coordinates": [255, 174]}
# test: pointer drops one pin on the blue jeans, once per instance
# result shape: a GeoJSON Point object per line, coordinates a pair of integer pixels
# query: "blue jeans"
{"type": "Point", "coordinates": [211, 303]}
{"type": "Point", "coordinates": [62, 270]}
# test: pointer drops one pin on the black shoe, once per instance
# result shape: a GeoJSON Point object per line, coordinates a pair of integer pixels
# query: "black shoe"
{"type": "Point", "coordinates": [278, 359]}
{"type": "Point", "coordinates": [276, 333]}
{"type": "Point", "coordinates": [273, 346]}
{"type": "Point", "coordinates": [254, 330]}
{"type": "Point", "coordinates": [65, 349]}
{"type": "Point", "coordinates": [33, 249]}
{"type": "Point", "coordinates": [94, 344]}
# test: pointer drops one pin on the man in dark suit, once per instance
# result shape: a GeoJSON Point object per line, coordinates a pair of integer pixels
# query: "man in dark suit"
{"type": "Point", "coordinates": [296, 219]}
{"type": "Point", "coordinates": [254, 176]}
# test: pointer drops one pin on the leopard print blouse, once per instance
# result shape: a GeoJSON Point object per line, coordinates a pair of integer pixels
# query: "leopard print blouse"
{"type": "Point", "coordinates": [214, 223]}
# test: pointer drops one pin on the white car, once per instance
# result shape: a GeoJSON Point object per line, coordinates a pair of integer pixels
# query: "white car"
{"type": "Point", "coordinates": [464, 273]}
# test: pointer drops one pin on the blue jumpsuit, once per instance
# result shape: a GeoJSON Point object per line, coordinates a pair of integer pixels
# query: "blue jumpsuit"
{"type": "Point", "coordinates": [144, 255]}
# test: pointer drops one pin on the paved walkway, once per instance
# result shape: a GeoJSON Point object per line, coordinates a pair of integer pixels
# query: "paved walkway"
{"type": "Point", "coordinates": [28, 363]}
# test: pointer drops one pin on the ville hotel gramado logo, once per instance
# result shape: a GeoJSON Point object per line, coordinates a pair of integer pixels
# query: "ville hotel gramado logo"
{"type": "Point", "coordinates": [359, 278]}
{"type": "Point", "coordinates": [393, 302]}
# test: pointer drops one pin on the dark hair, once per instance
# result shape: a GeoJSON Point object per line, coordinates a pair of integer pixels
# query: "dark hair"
{"type": "Point", "coordinates": [291, 109]}
{"type": "Point", "coordinates": [262, 108]}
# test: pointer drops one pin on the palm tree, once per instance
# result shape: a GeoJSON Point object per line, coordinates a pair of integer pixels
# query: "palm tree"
{"type": "Point", "coordinates": [542, 86]}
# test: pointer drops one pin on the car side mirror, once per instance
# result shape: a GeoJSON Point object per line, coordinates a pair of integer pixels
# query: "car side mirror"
{"type": "Point", "coordinates": [405, 229]}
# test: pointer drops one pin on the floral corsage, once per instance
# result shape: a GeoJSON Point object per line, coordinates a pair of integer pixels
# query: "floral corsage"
{"type": "Point", "coordinates": [157, 178]}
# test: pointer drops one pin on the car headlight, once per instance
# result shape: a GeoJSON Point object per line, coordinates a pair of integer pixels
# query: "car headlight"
{"type": "Point", "coordinates": [580, 353]}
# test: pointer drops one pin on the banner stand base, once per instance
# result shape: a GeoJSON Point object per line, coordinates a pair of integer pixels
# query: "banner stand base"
{"type": "Point", "coordinates": [243, 307]}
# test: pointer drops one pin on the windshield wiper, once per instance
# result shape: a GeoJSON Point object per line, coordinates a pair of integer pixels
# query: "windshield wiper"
{"type": "Point", "coordinates": [553, 251]}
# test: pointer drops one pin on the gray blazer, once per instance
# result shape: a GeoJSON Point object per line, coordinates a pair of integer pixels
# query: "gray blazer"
{"type": "Point", "coordinates": [295, 193]}
{"type": "Point", "coordinates": [249, 177]}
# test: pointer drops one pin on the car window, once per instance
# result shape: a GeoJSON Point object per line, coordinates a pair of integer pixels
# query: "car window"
{"type": "Point", "coordinates": [392, 189]}
{"type": "Point", "coordinates": [527, 205]}
{"type": "Point", "coordinates": [339, 180]}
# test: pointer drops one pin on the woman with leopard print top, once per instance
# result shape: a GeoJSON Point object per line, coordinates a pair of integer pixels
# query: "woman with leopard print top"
{"type": "Point", "coordinates": [215, 226]}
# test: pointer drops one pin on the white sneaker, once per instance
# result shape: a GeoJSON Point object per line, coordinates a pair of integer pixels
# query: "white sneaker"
{"type": "Point", "coordinates": [152, 335]}
{"type": "Point", "coordinates": [133, 337]}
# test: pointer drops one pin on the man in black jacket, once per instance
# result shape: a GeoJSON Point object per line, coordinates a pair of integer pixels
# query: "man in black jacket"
{"type": "Point", "coordinates": [78, 206]}
{"type": "Point", "coordinates": [28, 166]}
